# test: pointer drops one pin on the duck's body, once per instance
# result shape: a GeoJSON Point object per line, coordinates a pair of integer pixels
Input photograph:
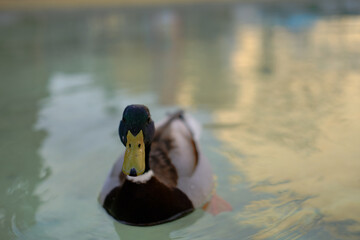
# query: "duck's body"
{"type": "Point", "coordinates": [177, 180]}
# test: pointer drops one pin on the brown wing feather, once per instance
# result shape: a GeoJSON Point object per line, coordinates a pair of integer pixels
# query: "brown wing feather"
{"type": "Point", "coordinates": [162, 144]}
{"type": "Point", "coordinates": [161, 164]}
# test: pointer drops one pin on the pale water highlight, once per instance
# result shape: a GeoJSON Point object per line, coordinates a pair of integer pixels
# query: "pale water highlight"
{"type": "Point", "coordinates": [277, 91]}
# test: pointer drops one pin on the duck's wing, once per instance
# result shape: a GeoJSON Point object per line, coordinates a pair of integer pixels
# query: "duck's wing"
{"type": "Point", "coordinates": [176, 159]}
{"type": "Point", "coordinates": [173, 151]}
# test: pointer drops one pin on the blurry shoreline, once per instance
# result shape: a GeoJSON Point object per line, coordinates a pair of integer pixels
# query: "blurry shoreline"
{"type": "Point", "coordinates": [328, 6]}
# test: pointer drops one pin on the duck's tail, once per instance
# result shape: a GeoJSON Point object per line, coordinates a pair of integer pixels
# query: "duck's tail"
{"type": "Point", "coordinates": [191, 124]}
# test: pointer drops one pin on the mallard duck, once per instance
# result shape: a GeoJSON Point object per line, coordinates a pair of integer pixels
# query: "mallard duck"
{"type": "Point", "coordinates": [162, 175]}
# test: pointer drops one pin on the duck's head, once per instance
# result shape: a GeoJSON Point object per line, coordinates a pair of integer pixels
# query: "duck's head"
{"type": "Point", "coordinates": [136, 131]}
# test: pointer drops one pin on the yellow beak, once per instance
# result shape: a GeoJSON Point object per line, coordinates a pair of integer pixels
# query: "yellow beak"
{"type": "Point", "coordinates": [134, 159]}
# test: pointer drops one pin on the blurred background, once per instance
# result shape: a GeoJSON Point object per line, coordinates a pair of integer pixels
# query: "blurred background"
{"type": "Point", "coordinates": [275, 85]}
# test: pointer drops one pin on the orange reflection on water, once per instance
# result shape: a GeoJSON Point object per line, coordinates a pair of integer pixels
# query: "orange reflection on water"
{"type": "Point", "coordinates": [299, 128]}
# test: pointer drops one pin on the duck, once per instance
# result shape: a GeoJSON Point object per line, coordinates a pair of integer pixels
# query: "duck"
{"type": "Point", "coordinates": [162, 175]}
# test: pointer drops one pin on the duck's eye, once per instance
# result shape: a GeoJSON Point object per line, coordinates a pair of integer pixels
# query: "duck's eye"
{"type": "Point", "coordinates": [129, 145]}
{"type": "Point", "coordinates": [139, 145]}
{"type": "Point", "coordinates": [148, 120]}
{"type": "Point", "coordinates": [123, 120]}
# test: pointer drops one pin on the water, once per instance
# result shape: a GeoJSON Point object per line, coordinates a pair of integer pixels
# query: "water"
{"type": "Point", "coordinates": [277, 91]}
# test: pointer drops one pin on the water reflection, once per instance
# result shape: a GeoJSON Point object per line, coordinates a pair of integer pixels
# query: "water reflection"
{"type": "Point", "coordinates": [163, 231]}
{"type": "Point", "coordinates": [277, 92]}
{"type": "Point", "coordinates": [22, 168]}
{"type": "Point", "coordinates": [299, 131]}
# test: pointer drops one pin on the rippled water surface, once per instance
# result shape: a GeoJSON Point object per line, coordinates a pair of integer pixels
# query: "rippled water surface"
{"type": "Point", "coordinates": [277, 91]}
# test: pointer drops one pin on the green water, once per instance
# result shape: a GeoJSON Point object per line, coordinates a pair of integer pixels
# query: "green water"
{"type": "Point", "coordinates": [277, 91]}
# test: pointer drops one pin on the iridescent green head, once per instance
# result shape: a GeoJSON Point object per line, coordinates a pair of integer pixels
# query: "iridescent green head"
{"type": "Point", "coordinates": [136, 131]}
